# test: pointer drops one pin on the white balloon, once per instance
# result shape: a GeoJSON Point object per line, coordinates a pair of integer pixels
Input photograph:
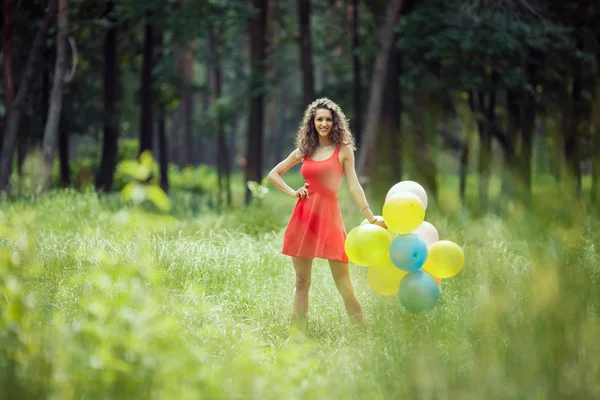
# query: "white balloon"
{"type": "Point", "coordinates": [403, 194]}
{"type": "Point", "coordinates": [409, 186]}
{"type": "Point", "coordinates": [428, 232]}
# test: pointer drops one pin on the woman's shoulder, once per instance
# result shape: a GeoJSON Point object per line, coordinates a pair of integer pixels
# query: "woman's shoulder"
{"type": "Point", "coordinates": [346, 149]}
{"type": "Point", "coordinates": [297, 154]}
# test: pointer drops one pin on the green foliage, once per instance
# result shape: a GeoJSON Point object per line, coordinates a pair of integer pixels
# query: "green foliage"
{"type": "Point", "coordinates": [455, 48]}
{"type": "Point", "coordinates": [200, 179]}
{"type": "Point", "coordinates": [143, 187]}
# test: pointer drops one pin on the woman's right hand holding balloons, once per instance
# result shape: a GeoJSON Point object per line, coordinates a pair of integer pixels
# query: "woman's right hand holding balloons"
{"type": "Point", "coordinates": [379, 221]}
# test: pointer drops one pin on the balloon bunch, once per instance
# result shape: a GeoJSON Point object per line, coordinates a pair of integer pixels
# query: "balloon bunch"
{"type": "Point", "coordinates": [408, 259]}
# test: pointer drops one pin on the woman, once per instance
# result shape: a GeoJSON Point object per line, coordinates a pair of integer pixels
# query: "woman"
{"type": "Point", "coordinates": [325, 146]}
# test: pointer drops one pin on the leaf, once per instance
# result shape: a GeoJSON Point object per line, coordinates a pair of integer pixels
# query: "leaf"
{"type": "Point", "coordinates": [146, 159]}
{"type": "Point", "coordinates": [135, 170]}
{"type": "Point", "coordinates": [160, 199]}
{"type": "Point", "coordinates": [134, 191]}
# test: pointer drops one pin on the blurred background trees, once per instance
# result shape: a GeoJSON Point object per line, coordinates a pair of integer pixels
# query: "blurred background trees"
{"type": "Point", "coordinates": [494, 99]}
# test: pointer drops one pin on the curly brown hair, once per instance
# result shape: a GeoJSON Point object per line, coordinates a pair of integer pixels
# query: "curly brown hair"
{"type": "Point", "coordinates": [307, 138]}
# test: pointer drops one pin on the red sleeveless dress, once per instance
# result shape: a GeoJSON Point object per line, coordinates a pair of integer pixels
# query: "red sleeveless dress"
{"type": "Point", "coordinates": [316, 229]}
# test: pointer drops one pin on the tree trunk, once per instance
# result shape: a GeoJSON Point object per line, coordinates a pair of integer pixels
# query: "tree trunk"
{"type": "Point", "coordinates": [215, 69]}
{"type": "Point", "coordinates": [272, 97]}
{"type": "Point", "coordinates": [467, 121]}
{"type": "Point", "coordinates": [395, 114]}
{"type": "Point", "coordinates": [174, 136]}
{"type": "Point", "coordinates": [19, 103]}
{"type": "Point", "coordinates": [207, 148]}
{"type": "Point", "coordinates": [526, 153]}
{"type": "Point", "coordinates": [510, 173]}
{"type": "Point", "coordinates": [271, 127]}
{"type": "Point", "coordinates": [7, 32]}
{"type": "Point", "coordinates": [50, 142]}
{"type": "Point", "coordinates": [186, 66]}
{"type": "Point", "coordinates": [146, 120]}
{"type": "Point", "coordinates": [386, 171]}
{"type": "Point", "coordinates": [254, 152]}
{"type": "Point", "coordinates": [571, 153]}
{"type": "Point", "coordinates": [386, 36]}
{"type": "Point", "coordinates": [540, 149]}
{"type": "Point", "coordinates": [188, 106]}
{"type": "Point", "coordinates": [425, 162]}
{"type": "Point", "coordinates": [104, 179]}
{"type": "Point", "coordinates": [357, 94]}
{"type": "Point", "coordinates": [306, 53]}
{"type": "Point", "coordinates": [595, 190]}
{"type": "Point", "coordinates": [485, 146]}
{"type": "Point", "coordinates": [527, 122]}
{"type": "Point", "coordinates": [464, 166]}
{"type": "Point", "coordinates": [162, 147]}
{"type": "Point", "coordinates": [63, 153]}
{"type": "Point", "coordinates": [485, 162]}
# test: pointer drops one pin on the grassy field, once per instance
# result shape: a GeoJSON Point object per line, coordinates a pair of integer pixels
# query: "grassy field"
{"type": "Point", "coordinates": [101, 300]}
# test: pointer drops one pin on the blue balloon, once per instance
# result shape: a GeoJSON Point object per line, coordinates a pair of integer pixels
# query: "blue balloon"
{"type": "Point", "coordinates": [408, 252]}
{"type": "Point", "coordinates": [419, 292]}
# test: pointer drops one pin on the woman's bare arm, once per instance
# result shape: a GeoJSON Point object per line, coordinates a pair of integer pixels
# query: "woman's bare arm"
{"type": "Point", "coordinates": [356, 190]}
{"type": "Point", "coordinates": [275, 175]}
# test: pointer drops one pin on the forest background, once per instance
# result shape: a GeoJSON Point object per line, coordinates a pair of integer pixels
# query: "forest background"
{"type": "Point", "coordinates": [493, 106]}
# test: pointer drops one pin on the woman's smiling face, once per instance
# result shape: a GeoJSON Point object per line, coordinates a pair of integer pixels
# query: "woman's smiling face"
{"type": "Point", "coordinates": [323, 122]}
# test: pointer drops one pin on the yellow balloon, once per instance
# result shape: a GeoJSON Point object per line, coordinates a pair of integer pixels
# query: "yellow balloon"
{"type": "Point", "coordinates": [367, 245]}
{"type": "Point", "coordinates": [445, 259]}
{"type": "Point", "coordinates": [384, 279]}
{"type": "Point", "coordinates": [403, 214]}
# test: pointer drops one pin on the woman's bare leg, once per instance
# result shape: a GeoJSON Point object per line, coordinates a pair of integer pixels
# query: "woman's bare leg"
{"type": "Point", "coordinates": [303, 268]}
{"type": "Point", "coordinates": [341, 276]}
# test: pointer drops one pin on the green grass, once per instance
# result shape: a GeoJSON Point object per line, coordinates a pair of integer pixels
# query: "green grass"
{"type": "Point", "coordinates": [104, 301]}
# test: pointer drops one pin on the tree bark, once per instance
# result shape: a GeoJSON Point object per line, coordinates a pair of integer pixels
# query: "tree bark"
{"type": "Point", "coordinates": [527, 123]}
{"type": "Point", "coordinates": [387, 171]}
{"type": "Point", "coordinates": [7, 32]}
{"type": "Point", "coordinates": [306, 53]}
{"type": "Point", "coordinates": [571, 153]}
{"type": "Point", "coordinates": [464, 166]}
{"type": "Point", "coordinates": [162, 148]}
{"type": "Point", "coordinates": [426, 130]}
{"type": "Point", "coordinates": [510, 172]}
{"type": "Point", "coordinates": [163, 155]}
{"type": "Point", "coordinates": [467, 122]}
{"type": "Point", "coordinates": [356, 71]}
{"type": "Point", "coordinates": [208, 141]}
{"type": "Point", "coordinates": [186, 66]}
{"type": "Point", "coordinates": [63, 153]}
{"type": "Point", "coordinates": [223, 172]}
{"type": "Point", "coordinates": [146, 101]}
{"type": "Point", "coordinates": [104, 179]}
{"type": "Point", "coordinates": [484, 123]}
{"type": "Point", "coordinates": [386, 36]}
{"type": "Point", "coordinates": [526, 153]}
{"type": "Point", "coordinates": [12, 124]}
{"type": "Point", "coordinates": [595, 189]}
{"type": "Point", "coordinates": [254, 153]}
{"type": "Point", "coordinates": [50, 141]}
